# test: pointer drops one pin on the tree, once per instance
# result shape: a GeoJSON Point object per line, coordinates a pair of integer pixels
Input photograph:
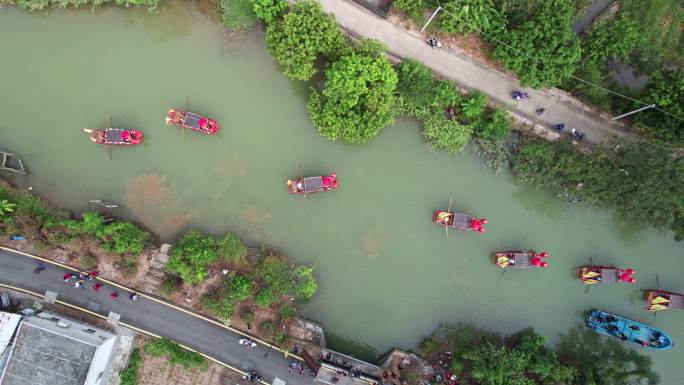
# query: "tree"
{"type": "Point", "coordinates": [269, 10]}
{"type": "Point", "coordinates": [464, 16]}
{"type": "Point", "coordinates": [303, 34]}
{"type": "Point", "coordinates": [358, 99]}
{"type": "Point", "coordinates": [545, 49]}
{"type": "Point", "coordinates": [6, 207]}
{"type": "Point", "coordinates": [665, 88]}
{"type": "Point", "coordinates": [603, 361]}
{"type": "Point", "coordinates": [413, 8]}
{"type": "Point", "coordinates": [491, 365]}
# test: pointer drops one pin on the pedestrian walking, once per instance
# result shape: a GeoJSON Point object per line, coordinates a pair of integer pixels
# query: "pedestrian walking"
{"type": "Point", "coordinates": [41, 267]}
{"type": "Point", "coordinates": [114, 295]}
{"type": "Point", "coordinates": [97, 286]}
{"type": "Point", "coordinates": [540, 111]}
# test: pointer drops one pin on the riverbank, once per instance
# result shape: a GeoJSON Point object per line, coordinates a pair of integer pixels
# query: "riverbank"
{"type": "Point", "coordinates": [254, 288]}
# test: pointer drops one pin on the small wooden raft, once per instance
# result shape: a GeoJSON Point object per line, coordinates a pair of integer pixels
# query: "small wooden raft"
{"type": "Point", "coordinates": [12, 163]}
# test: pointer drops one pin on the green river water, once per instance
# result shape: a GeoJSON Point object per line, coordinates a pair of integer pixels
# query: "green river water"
{"type": "Point", "coordinates": [387, 275]}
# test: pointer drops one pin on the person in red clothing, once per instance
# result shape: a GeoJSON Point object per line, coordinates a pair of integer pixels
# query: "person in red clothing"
{"type": "Point", "coordinates": [114, 295]}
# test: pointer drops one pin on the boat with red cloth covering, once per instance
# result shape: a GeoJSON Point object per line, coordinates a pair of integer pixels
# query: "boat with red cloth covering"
{"type": "Point", "coordinates": [458, 221]}
{"type": "Point", "coordinates": [312, 184]}
{"type": "Point", "coordinates": [520, 259]}
{"type": "Point", "coordinates": [192, 121]}
{"type": "Point", "coordinates": [594, 274]}
{"type": "Point", "coordinates": [115, 136]}
{"type": "Point", "coordinates": [658, 300]}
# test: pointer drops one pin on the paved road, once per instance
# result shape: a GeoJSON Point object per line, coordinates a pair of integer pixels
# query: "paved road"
{"type": "Point", "coordinates": [463, 70]}
{"type": "Point", "coordinates": [208, 338]}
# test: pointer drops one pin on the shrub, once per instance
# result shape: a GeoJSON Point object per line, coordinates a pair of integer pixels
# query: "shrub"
{"type": "Point", "coordinates": [238, 15]}
{"type": "Point", "coordinates": [269, 10]}
{"type": "Point", "coordinates": [281, 278]}
{"type": "Point", "coordinates": [6, 207]}
{"type": "Point", "coordinates": [231, 248]}
{"type": "Point", "coordinates": [448, 134]}
{"type": "Point", "coordinates": [169, 286]}
{"type": "Point", "coordinates": [129, 376]}
{"type": "Point", "coordinates": [268, 328]}
{"type": "Point", "coordinates": [493, 126]}
{"type": "Point", "coordinates": [464, 16]}
{"type": "Point", "coordinates": [175, 353]}
{"type": "Point", "coordinates": [247, 315]}
{"type": "Point", "coordinates": [358, 99]}
{"type": "Point", "coordinates": [191, 257]}
{"type": "Point", "coordinates": [287, 312]}
{"type": "Point", "coordinates": [224, 303]}
{"type": "Point", "coordinates": [93, 223]}
{"type": "Point", "coordinates": [123, 238]}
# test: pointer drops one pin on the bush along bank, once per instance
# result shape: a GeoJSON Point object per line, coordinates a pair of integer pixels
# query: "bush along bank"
{"type": "Point", "coordinates": [221, 276]}
{"type": "Point", "coordinates": [580, 357]}
{"type": "Point", "coordinates": [238, 285]}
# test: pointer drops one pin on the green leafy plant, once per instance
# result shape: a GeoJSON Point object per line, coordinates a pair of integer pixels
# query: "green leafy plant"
{"type": "Point", "coordinates": [223, 303]}
{"type": "Point", "coordinates": [358, 99]}
{"type": "Point", "coordinates": [269, 10]}
{"type": "Point", "coordinates": [129, 376]}
{"type": "Point", "coordinates": [6, 207]}
{"type": "Point", "coordinates": [545, 49]}
{"type": "Point", "coordinates": [231, 248]}
{"type": "Point", "coordinates": [176, 354]}
{"type": "Point", "coordinates": [464, 16]}
{"type": "Point", "coordinates": [87, 262]}
{"type": "Point", "coordinates": [169, 286]}
{"type": "Point", "coordinates": [123, 238]}
{"type": "Point", "coordinates": [238, 15]}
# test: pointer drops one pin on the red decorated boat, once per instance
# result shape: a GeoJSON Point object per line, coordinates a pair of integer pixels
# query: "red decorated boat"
{"type": "Point", "coordinates": [192, 121]}
{"type": "Point", "coordinates": [312, 184]}
{"type": "Point", "coordinates": [593, 274]}
{"type": "Point", "coordinates": [115, 136]}
{"type": "Point", "coordinates": [658, 300]}
{"type": "Point", "coordinates": [520, 259]}
{"type": "Point", "coordinates": [458, 221]}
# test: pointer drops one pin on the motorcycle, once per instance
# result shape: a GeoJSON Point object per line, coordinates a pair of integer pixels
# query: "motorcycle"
{"type": "Point", "coordinates": [433, 42]}
{"type": "Point", "coordinates": [248, 343]}
{"type": "Point", "coordinates": [578, 135]}
{"type": "Point", "coordinates": [517, 95]}
{"type": "Point", "coordinates": [252, 376]}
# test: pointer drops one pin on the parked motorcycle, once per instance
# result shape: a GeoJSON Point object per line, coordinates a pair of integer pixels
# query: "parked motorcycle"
{"type": "Point", "coordinates": [248, 343]}
{"type": "Point", "coordinates": [517, 95]}
{"type": "Point", "coordinates": [433, 42]}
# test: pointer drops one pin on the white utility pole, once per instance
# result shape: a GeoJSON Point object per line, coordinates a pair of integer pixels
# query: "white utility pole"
{"type": "Point", "coordinates": [431, 17]}
{"type": "Point", "coordinates": [634, 112]}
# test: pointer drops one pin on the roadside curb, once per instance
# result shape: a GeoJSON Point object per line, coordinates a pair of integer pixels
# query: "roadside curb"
{"type": "Point", "coordinates": [286, 353]}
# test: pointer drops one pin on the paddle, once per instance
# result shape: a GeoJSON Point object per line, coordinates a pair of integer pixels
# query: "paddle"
{"type": "Point", "coordinates": [655, 313]}
{"type": "Point", "coordinates": [108, 147]}
{"type": "Point", "coordinates": [183, 126]}
{"type": "Point", "coordinates": [446, 224]}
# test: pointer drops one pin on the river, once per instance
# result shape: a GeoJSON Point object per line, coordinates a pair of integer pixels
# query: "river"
{"type": "Point", "coordinates": [388, 276]}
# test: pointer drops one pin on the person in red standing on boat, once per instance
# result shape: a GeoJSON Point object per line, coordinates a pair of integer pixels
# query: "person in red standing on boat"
{"type": "Point", "coordinates": [626, 276]}
{"type": "Point", "coordinates": [478, 224]}
{"type": "Point", "coordinates": [537, 261]}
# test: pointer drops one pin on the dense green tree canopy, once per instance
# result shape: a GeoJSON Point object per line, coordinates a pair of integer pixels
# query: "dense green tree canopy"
{"type": "Point", "coordinates": [546, 50]}
{"type": "Point", "coordinates": [666, 89]}
{"type": "Point", "coordinates": [358, 99]}
{"type": "Point", "coordinates": [303, 34]}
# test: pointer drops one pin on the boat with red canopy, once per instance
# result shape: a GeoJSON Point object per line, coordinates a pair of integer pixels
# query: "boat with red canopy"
{"type": "Point", "coordinates": [115, 136]}
{"type": "Point", "coordinates": [593, 274]}
{"type": "Point", "coordinates": [192, 121]}
{"type": "Point", "coordinates": [312, 184]}
{"type": "Point", "coordinates": [657, 300]}
{"type": "Point", "coordinates": [458, 221]}
{"type": "Point", "coordinates": [520, 259]}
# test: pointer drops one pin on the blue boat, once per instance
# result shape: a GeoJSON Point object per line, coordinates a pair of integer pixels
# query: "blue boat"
{"type": "Point", "coordinates": [628, 330]}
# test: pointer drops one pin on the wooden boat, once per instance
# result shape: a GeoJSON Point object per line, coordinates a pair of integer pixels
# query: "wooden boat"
{"type": "Point", "coordinates": [312, 184]}
{"type": "Point", "coordinates": [192, 121]}
{"type": "Point", "coordinates": [628, 330]}
{"type": "Point", "coordinates": [520, 259]}
{"type": "Point", "coordinates": [115, 136]}
{"type": "Point", "coordinates": [593, 274]}
{"type": "Point", "coordinates": [458, 221]}
{"type": "Point", "coordinates": [657, 300]}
